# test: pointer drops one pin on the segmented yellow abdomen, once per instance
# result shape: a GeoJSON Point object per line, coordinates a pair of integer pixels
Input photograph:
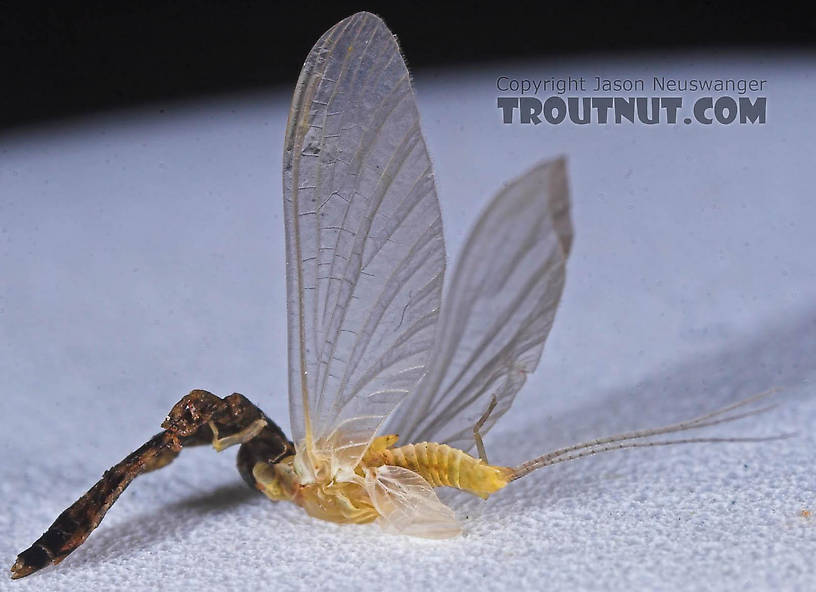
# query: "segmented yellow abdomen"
{"type": "Point", "coordinates": [441, 465]}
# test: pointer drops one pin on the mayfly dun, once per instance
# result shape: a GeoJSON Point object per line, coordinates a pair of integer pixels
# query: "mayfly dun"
{"type": "Point", "coordinates": [390, 390]}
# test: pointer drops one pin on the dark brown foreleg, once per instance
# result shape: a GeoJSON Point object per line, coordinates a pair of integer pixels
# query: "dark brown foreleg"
{"type": "Point", "coordinates": [199, 418]}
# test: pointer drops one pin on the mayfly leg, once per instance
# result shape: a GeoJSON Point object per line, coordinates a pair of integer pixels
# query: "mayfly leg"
{"type": "Point", "coordinates": [198, 418]}
{"type": "Point", "coordinates": [477, 436]}
{"type": "Point", "coordinates": [74, 525]}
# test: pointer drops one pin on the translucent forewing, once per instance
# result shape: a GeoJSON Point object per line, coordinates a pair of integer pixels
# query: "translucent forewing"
{"type": "Point", "coordinates": [407, 504]}
{"type": "Point", "coordinates": [498, 310]}
{"type": "Point", "coordinates": [365, 253]}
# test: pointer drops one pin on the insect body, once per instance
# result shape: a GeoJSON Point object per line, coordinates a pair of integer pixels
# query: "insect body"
{"type": "Point", "coordinates": [358, 499]}
{"type": "Point", "coordinates": [374, 353]}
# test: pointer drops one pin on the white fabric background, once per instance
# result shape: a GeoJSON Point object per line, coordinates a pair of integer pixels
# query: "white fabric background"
{"type": "Point", "coordinates": [141, 255]}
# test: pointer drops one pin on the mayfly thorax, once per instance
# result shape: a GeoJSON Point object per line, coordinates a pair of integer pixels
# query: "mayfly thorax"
{"type": "Point", "coordinates": [390, 388]}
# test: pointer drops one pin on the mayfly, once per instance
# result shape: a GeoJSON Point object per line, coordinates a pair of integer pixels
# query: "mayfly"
{"type": "Point", "coordinates": [374, 355]}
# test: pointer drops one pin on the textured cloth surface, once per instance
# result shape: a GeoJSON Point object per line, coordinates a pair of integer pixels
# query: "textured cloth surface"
{"type": "Point", "coordinates": [141, 256]}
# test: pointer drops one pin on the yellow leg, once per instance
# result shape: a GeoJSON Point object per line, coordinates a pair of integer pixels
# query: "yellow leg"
{"type": "Point", "coordinates": [244, 435]}
{"type": "Point", "coordinates": [477, 436]}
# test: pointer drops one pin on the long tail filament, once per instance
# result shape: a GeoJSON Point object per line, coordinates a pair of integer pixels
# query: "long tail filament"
{"type": "Point", "coordinates": [622, 441]}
